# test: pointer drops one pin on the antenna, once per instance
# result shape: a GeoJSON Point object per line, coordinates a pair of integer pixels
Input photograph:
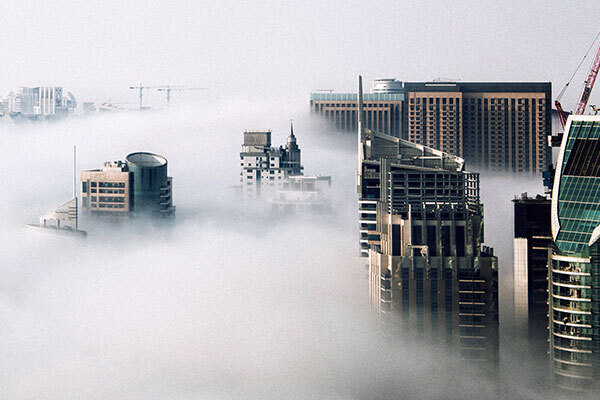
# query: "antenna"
{"type": "Point", "coordinates": [75, 187]}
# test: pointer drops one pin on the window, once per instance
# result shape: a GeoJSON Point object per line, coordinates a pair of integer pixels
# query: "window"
{"type": "Point", "coordinates": [94, 184]}
{"type": "Point", "coordinates": [84, 187]}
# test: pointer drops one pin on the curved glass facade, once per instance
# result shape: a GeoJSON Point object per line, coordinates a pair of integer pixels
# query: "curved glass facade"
{"type": "Point", "coordinates": [574, 314]}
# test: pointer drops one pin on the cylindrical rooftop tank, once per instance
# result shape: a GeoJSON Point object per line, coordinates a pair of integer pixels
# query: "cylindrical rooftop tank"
{"type": "Point", "coordinates": [149, 176]}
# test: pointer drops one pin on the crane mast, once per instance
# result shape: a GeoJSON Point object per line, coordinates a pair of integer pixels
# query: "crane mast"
{"type": "Point", "coordinates": [587, 90]}
{"type": "Point", "coordinates": [589, 85]}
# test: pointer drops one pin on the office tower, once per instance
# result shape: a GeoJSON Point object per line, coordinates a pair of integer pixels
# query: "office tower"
{"type": "Point", "coordinates": [575, 260]}
{"type": "Point", "coordinates": [264, 167]}
{"type": "Point", "coordinates": [532, 242]}
{"type": "Point", "coordinates": [493, 126]}
{"type": "Point", "coordinates": [138, 186]}
{"type": "Point", "coordinates": [422, 229]}
{"type": "Point", "coordinates": [383, 108]}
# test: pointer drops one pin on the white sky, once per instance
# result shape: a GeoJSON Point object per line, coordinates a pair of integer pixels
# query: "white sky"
{"type": "Point", "coordinates": [265, 48]}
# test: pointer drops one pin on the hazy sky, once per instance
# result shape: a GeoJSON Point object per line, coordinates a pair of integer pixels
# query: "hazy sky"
{"type": "Point", "coordinates": [274, 48]}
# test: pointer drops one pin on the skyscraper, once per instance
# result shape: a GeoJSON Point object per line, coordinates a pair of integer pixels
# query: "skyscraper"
{"type": "Point", "coordinates": [422, 229]}
{"type": "Point", "coordinates": [266, 167]}
{"type": "Point", "coordinates": [575, 260]}
{"type": "Point", "coordinates": [532, 242]}
{"type": "Point", "coordinates": [496, 126]}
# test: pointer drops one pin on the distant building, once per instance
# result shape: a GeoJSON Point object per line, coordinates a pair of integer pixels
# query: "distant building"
{"type": "Point", "coordinates": [139, 185]}
{"type": "Point", "coordinates": [422, 229]}
{"type": "Point", "coordinates": [383, 108]}
{"type": "Point", "coordinates": [42, 102]}
{"type": "Point", "coordinates": [304, 192]}
{"type": "Point", "coordinates": [532, 243]}
{"type": "Point", "coordinates": [266, 168]}
{"type": "Point", "coordinates": [494, 126]}
{"type": "Point", "coordinates": [575, 261]}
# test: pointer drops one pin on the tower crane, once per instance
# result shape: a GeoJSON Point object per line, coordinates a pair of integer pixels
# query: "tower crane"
{"type": "Point", "coordinates": [170, 89]}
{"type": "Point", "coordinates": [587, 90]}
{"type": "Point", "coordinates": [141, 89]}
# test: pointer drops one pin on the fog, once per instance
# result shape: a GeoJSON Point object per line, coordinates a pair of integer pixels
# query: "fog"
{"type": "Point", "coordinates": [226, 301]}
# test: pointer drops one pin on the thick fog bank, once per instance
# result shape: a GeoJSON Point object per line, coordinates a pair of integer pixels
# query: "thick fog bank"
{"type": "Point", "coordinates": [226, 301]}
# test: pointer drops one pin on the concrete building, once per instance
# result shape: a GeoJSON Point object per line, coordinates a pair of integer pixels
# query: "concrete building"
{"type": "Point", "coordinates": [575, 260]}
{"type": "Point", "coordinates": [266, 168]}
{"type": "Point", "coordinates": [493, 126]}
{"type": "Point", "coordinates": [422, 230]}
{"type": "Point", "coordinates": [139, 186]}
{"type": "Point", "coordinates": [532, 242]}
{"type": "Point", "coordinates": [107, 191]}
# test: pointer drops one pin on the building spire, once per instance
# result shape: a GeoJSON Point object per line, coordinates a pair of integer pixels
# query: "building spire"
{"type": "Point", "coordinates": [291, 127]}
{"type": "Point", "coordinates": [361, 132]}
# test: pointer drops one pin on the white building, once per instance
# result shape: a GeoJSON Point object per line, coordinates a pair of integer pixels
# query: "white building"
{"type": "Point", "coordinates": [265, 168]}
{"type": "Point", "coordinates": [39, 102]}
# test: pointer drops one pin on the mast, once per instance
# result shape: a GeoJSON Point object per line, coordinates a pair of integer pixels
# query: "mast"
{"type": "Point", "coordinates": [361, 132]}
{"type": "Point", "coordinates": [75, 187]}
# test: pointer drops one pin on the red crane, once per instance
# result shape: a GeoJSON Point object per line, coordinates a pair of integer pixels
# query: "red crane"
{"type": "Point", "coordinates": [587, 90]}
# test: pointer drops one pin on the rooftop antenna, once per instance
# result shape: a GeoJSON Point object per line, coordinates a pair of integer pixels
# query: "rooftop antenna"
{"type": "Point", "coordinates": [361, 132]}
{"type": "Point", "coordinates": [75, 187]}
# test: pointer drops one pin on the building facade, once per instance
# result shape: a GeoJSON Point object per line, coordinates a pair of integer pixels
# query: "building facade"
{"type": "Point", "coordinates": [422, 230]}
{"type": "Point", "coordinates": [532, 242]}
{"type": "Point", "coordinates": [493, 126]}
{"type": "Point", "coordinates": [139, 186]}
{"type": "Point", "coordinates": [107, 191]}
{"type": "Point", "coordinates": [575, 260]}
{"type": "Point", "coordinates": [266, 168]}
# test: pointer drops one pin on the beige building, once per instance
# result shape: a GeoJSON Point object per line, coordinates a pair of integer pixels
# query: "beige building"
{"type": "Point", "coordinates": [497, 126]}
{"type": "Point", "coordinates": [107, 191]}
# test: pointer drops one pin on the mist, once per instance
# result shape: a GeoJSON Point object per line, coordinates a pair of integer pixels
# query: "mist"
{"type": "Point", "coordinates": [226, 301]}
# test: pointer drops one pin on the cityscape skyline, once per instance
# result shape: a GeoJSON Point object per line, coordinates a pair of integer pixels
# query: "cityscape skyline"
{"type": "Point", "coordinates": [378, 280]}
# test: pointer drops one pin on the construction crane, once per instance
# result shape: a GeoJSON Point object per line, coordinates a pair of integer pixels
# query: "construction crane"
{"type": "Point", "coordinates": [141, 89]}
{"type": "Point", "coordinates": [170, 89]}
{"type": "Point", "coordinates": [587, 90]}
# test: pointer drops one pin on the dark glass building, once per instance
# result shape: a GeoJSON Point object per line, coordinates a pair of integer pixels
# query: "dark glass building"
{"type": "Point", "coordinates": [152, 188]}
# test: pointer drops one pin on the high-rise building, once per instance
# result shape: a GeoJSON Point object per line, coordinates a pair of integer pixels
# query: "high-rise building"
{"type": "Point", "coordinates": [532, 242]}
{"type": "Point", "coordinates": [422, 229]}
{"type": "Point", "coordinates": [383, 108]}
{"type": "Point", "coordinates": [139, 186]}
{"type": "Point", "coordinates": [575, 260]}
{"type": "Point", "coordinates": [264, 167]}
{"type": "Point", "coordinates": [493, 126]}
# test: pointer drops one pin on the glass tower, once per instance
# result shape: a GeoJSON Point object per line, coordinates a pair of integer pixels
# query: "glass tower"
{"type": "Point", "coordinates": [575, 259]}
